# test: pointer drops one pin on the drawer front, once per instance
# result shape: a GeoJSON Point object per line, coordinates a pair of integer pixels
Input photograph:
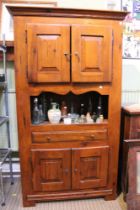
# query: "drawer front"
{"type": "Point", "coordinates": [60, 136]}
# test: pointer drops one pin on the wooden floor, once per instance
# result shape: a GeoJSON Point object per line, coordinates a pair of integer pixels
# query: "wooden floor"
{"type": "Point", "coordinates": [14, 201]}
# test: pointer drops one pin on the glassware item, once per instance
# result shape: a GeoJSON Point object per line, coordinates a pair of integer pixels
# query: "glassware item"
{"type": "Point", "coordinates": [41, 114]}
{"type": "Point", "coordinates": [68, 119]}
{"type": "Point", "coordinates": [99, 108]}
{"type": "Point", "coordinates": [94, 117]}
{"type": "Point", "coordinates": [72, 108]}
{"type": "Point", "coordinates": [88, 118]}
{"type": "Point", "coordinates": [99, 111]}
{"type": "Point", "coordinates": [82, 119]}
{"type": "Point", "coordinates": [82, 109]}
{"type": "Point", "coordinates": [90, 106]}
{"type": "Point", "coordinates": [35, 116]}
{"type": "Point", "coordinates": [44, 106]}
{"type": "Point", "coordinates": [64, 109]}
{"type": "Point", "coordinates": [100, 119]}
{"type": "Point", "coordinates": [54, 114]}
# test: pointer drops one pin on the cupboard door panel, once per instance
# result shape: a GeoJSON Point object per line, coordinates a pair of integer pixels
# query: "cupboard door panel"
{"type": "Point", "coordinates": [48, 53]}
{"type": "Point", "coordinates": [90, 167]}
{"type": "Point", "coordinates": [91, 54]}
{"type": "Point", "coordinates": [51, 169]}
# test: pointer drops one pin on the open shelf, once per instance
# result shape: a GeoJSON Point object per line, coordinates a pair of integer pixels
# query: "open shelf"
{"type": "Point", "coordinates": [3, 85]}
{"type": "Point", "coordinates": [47, 123]}
{"type": "Point", "coordinates": [4, 154]}
{"type": "Point", "coordinates": [79, 109]}
{"type": "Point", "coordinates": [9, 50]}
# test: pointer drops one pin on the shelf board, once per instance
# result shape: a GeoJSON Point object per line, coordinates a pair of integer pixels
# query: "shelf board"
{"type": "Point", "coordinates": [3, 154]}
{"type": "Point", "coordinates": [3, 119]}
{"type": "Point", "coordinates": [105, 121]}
{"type": "Point", "coordinates": [3, 85]}
{"type": "Point", "coordinates": [2, 48]}
{"type": "Point", "coordinates": [9, 52]}
{"type": "Point", "coordinates": [42, 126]}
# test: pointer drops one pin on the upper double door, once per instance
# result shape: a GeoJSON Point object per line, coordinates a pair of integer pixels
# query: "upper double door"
{"type": "Point", "coordinates": [64, 53]}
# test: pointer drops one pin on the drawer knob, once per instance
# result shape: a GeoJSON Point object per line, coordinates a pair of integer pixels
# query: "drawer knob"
{"type": "Point", "coordinates": [67, 55]}
{"type": "Point", "coordinates": [75, 170]}
{"type": "Point", "coordinates": [92, 136]}
{"type": "Point", "coordinates": [77, 55]}
{"type": "Point", "coordinates": [48, 139]}
{"type": "Point", "coordinates": [66, 170]}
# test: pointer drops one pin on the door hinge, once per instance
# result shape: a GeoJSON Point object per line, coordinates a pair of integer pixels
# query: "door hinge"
{"type": "Point", "coordinates": [26, 36]}
{"type": "Point", "coordinates": [112, 37]}
{"type": "Point", "coordinates": [31, 164]}
{"type": "Point", "coordinates": [26, 72]}
{"type": "Point", "coordinates": [24, 121]}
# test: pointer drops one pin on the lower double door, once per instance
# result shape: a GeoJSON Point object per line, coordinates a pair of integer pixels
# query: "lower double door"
{"type": "Point", "coordinates": [69, 169]}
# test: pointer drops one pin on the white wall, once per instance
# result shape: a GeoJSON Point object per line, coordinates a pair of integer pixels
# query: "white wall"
{"type": "Point", "coordinates": [89, 4]}
{"type": "Point", "coordinates": [12, 109]}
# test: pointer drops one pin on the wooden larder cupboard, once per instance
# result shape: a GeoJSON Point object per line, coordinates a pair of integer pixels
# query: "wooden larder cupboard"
{"type": "Point", "coordinates": [72, 55]}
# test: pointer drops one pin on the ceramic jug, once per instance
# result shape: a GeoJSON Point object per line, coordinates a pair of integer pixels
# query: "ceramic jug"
{"type": "Point", "coordinates": [54, 114]}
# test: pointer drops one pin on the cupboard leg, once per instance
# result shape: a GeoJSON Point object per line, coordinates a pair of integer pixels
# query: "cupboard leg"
{"type": "Point", "coordinates": [110, 197]}
{"type": "Point", "coordinates": [27, 203]}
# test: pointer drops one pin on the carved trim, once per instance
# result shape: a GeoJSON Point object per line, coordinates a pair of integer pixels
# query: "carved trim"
{"type": "Point", "coordinates": [70, 195]}
{"type": "Point", "coordinates": [75, 89]}
{"type": "Point", "coordinates": [63, 12]}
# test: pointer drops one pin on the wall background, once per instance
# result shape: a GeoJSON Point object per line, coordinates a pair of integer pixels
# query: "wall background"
{"type": "Point", "coordinates": [130, 73]}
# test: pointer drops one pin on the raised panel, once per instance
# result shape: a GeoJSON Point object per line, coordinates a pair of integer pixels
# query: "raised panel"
{"type": "Point", "coordinates": [92, 53]}
{"type": "Point", "coordinates": [51, 169]}
{"type": "Point", "coordinates": [49, 49]}
{"type": "Point", "coordinates": [91, 62]}
{"type": "Point", "coordinates": [90, 167]}
{"type": "Point", "coordinates": [48, 46]}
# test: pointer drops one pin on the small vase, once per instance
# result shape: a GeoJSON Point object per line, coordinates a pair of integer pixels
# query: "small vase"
{"type": "Point", "coordinates": [54, 114]}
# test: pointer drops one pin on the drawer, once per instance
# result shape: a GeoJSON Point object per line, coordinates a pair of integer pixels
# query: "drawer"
{"type": "Point", "coordinates": [60, 136]}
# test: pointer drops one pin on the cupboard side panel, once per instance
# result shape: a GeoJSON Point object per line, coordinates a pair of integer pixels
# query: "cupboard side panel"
{"type": "Point", "coordinates": [23, 108]}
{"type": "Point", "coordinates": [115, 105]}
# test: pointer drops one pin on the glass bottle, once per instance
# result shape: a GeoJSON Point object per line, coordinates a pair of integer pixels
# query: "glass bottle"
{"type": "Point", "coordinates": [44, 106]}
{"type": "Point", "coordinates": [41, 114]}
{"type": "Point", "coordinates": [94, 116]}
{"type": "Point", "coordinates": [35, 116]}
{"type": "Point", "coordinates": [100, 116]}
{"type": "Point", "coordinates": [72, 108]}
{"type": "Point", "coordinates": [82, 109]}
{"type": "Point", "coordinates": [99, 108]}
{"type": "Point", "coordinates": [90, 106]}
{"type": "Point", "coordinates": [64, 109]}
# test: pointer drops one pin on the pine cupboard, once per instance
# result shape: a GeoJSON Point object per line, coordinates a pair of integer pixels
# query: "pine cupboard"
{"type": "Point", "coordinates": [74, 55]}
